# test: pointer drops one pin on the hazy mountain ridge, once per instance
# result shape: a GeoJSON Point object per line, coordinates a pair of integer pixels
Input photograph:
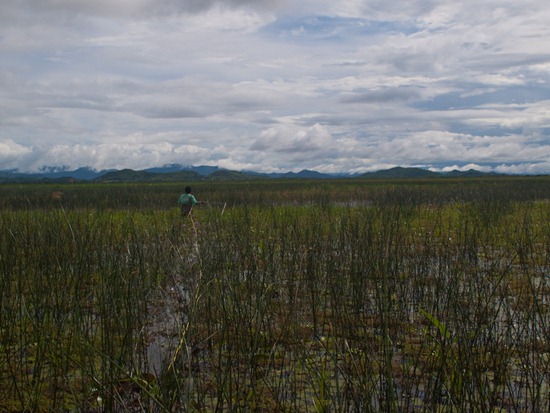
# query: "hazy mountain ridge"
{"type": "Point", "coordinates": [176, 172]}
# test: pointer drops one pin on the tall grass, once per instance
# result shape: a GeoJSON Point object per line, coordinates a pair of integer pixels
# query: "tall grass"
{"type": "Point", "coordinates": [333, 296]}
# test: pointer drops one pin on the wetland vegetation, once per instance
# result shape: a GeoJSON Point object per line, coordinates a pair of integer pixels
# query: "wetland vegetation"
{"type": "Point", "coordinates": [277, 296]}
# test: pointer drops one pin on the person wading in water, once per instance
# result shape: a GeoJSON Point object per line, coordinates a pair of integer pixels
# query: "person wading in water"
{"type": "Point", "coordinates": [187, 201]}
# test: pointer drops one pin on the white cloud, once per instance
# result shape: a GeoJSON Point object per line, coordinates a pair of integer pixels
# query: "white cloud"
{"type": "Point", "coordinates": [10, 151]}
{"type": "Point", "coordinates": [332, 86]}
{"type": "Point", "coordinates": [127, 8]}
{"type": "Point", "coordinates": [291, 140]}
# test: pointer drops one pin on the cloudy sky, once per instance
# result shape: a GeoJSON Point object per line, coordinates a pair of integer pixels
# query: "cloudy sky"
{"type": "Point", "coordinates": [333, 86]}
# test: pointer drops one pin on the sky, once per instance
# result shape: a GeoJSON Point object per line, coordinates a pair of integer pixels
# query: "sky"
{"type": "Point", "coordinates": [275, 86]}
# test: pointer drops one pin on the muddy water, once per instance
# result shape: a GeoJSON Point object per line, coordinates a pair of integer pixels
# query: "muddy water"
{"type": "Point", "coordinates": [167, 322]}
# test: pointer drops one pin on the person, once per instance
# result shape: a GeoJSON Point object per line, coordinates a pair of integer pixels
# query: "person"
{"type": "Point", "coordinates": [186, 202]}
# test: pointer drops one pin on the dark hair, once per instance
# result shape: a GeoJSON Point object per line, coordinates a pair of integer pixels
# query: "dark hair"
{"type": "Point", "coordinates": [187, 189]}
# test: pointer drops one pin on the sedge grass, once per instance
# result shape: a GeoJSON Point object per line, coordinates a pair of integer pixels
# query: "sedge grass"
{"type": "Point", "coordinates": [357, 298]}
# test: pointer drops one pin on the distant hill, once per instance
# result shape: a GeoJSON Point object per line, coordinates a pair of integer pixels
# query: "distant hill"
{"type": "Point", "coordinates": [418, 173]}
{"type": "Point", "coordinates": [13, 176]}
{"type": "Point", "coordinates": [226, 175]}
{"type": "Point", "coordinates": [470, 173]}
{"type": "Point", "coordinates": [129, 175]}
{"type": "Point", "coordinates": [84, 173]}
{"type": "Point", "coordinates": [178, 173]}
{"type": "Point", "coordinates": [400, 172]}
{"type": "Point", "coordinates": [203, 170]}
{"type": "Point", "coordinates": [80, 173]}
{"type": "Point", "coordinates": [304, 174]}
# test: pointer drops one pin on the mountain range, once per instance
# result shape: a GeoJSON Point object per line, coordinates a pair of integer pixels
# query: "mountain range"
{"type": "Point", "coordinates": [176, 172]}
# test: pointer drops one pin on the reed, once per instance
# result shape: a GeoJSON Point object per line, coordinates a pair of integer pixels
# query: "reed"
{"type": "Point", "coordinates": [301, 296]}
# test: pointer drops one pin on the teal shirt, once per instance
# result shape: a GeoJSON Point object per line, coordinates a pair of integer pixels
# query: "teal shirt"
{"type": "Point", "coordinates": [187, 199]}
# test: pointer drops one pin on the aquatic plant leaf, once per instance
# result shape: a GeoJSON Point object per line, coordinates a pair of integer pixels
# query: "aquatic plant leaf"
{"type": "Point", "coordinates": [438, 324]}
